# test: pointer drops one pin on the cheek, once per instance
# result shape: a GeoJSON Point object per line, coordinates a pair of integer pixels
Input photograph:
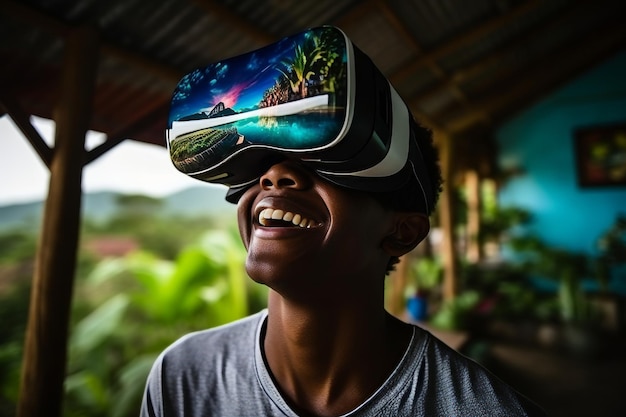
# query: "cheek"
{"type": "Point", "coordinates": [359, 236]}
{"type": "Point", "coordinates": [244, 222]}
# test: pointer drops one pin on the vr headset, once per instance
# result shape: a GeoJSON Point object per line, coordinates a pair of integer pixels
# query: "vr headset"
{"type": "Point", "coordinates": [312, 96]}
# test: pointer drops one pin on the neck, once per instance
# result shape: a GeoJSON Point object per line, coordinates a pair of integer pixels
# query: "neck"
{"type": "Point", "coordinates": [330, 357]}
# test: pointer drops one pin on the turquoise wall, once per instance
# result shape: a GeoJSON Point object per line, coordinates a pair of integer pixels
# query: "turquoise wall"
{"type": "Point", "coordinates": [540, 141]}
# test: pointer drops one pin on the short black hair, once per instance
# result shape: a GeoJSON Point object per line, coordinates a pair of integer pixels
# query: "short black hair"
{"type": "Point", "coordinates": [410, 197]}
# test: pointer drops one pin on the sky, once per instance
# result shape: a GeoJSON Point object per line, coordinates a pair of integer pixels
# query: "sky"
{"type": "Point", "coordinates": [129, 168]}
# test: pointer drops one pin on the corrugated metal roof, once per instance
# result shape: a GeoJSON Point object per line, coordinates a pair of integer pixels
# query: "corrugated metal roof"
{"type": "Point", "coordinates": [449, 59]}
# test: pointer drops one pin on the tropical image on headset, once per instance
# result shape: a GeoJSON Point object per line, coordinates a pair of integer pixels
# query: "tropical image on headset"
{"type": "Point", "coordinates": [314, 97]}
{"type": "Point", "coordinates": [289, 95]}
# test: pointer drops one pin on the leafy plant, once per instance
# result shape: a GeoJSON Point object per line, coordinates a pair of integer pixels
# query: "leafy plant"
{"type": "Point", "coordinates": [567, 268]}
{"type": "Point", "coordinates": [143, 303]}
{"type": "Point", "coordinates": [426, 273]}
{"type": "Point", "coordinates": [612, 250]}
{"type": "Point", "coordinates": [496, 222]}
{"type": "Point", "coordinates": [453, 314]}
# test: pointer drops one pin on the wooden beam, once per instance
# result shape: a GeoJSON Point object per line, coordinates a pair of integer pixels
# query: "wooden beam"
{"type": "Point", "coordinates": [430, 58]}
{"type": "Point", "coordinates": [354, 14]}
{"type": "Point", "coordinates": [33, 17]}
{"type": "Point", "coordinates": [536, 80]}
{"type": "Point", "coordinates": [462, 74]}
{"type": "Point", "coordinates": [397, 283]}
{"type": "Point", "coordinates": [45, 350]}
{"type": "Point", "coordinates": [143, 63]}
{"type": "Point", "coordinates": [465, 38]}
{"type": "Point", "coordinates": [432, 65]}
{"type": "Point", "coordinates": [22, 120]}
{"type": "Point", "coordinates": [57, 27]}
{"type": "Point", "coordinates": [446, 206]}
{"type": "Point", "coordinates": [474, 208]}
{"type": "Point", "coordinates": [127, 132]}
{"type": "Point", "coordinates": [224, 14]}
{"type": "Point", "coordinates": [399, 27]}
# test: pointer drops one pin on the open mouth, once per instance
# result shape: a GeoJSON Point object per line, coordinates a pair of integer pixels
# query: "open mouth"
{"type": "Point", "coordinates": [270, 217]}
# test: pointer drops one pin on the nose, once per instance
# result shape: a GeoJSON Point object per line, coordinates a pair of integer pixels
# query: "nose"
{"type": "Point", "coordinates": [286, 174]}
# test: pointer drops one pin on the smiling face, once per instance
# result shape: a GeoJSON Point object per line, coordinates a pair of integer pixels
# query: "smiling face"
{"type": "Point", "coordinates": [305, 235]}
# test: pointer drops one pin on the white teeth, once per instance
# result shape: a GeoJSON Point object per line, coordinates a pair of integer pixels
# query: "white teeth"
{"type": "Point", "coordinates": [277, 214]}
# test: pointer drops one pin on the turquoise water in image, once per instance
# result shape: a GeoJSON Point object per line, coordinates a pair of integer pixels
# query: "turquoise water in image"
{"type": "Point", "coordinates": [294, 132]}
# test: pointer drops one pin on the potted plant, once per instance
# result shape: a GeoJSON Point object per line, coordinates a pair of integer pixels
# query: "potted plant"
{"type": "Point", "coordinates": [425, 275]}
{"type": "Point", "coordinates": [568, 270]}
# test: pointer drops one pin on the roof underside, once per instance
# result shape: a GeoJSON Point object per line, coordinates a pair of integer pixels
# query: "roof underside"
{"type": "Point", "coordinates": [459, 65]}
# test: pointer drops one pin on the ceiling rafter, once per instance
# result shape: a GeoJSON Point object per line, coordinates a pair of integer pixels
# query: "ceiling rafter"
{"type": "Point", "coordinates": [462, 74]}
{"type": "Point", "coordinates": [354, 14]}
{"type": "Point", "coordinates": [429, 60]}
{"type": "Point", "coordinates": [22, 119]}
{"type": "Point", "coordinates": [225, 14]}
{"type": "Point", "coordinates": [57, 27]}
{"type": "Point", "coordinates": [451, 85]}
{"type": "Point", "coordinates": [34, 17]}
{"type": "Point", "coordinates": [139, 61]}
{"type": "Point", "coordinates": [432, 65]}
{"type": "Point", "coordinates": [528, 83]}
{"type": "Point", "coordinates": [400, 27]}
{"type": "Point", "coordinates": [461, 39]}
{"type": "Point", "coordinates": [148, 118]}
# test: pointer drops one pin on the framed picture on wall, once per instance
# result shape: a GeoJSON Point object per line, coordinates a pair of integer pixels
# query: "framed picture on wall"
{"type": "Point", "coordinates": [601, 155]}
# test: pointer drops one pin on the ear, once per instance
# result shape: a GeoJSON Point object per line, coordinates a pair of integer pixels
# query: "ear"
{"type": "Point", "coordinates": [410, 229]}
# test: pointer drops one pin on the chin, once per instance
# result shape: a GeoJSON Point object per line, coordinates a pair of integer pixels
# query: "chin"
{"type": "Point", "coordinates": [288, 280]}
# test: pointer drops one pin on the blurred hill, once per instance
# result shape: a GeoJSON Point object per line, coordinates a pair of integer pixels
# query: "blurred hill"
{"type": "Point", "coordinates": [100, 206]}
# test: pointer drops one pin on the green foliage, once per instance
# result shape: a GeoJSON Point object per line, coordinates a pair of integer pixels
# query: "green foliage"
{"type": "Point", "coordinates": [187, 276]}
{"type": "Point", "coordinates": [507, 292]}
{"type": "Point", "coordinates": [517, 300]}
{"type": "Point", "coordinates": [142, 303]}
{"type": "Point", "coordinates": [612, 243]}
{"type": "Point", "coordinates": [612, 250]}
{"type": "Point", "coordinates": [497, 221]}
{"type": "Point", "coordinates": [154, 232]}
{"type": "Point", "coordinates": [17, 246]}
{"type": "Point", "coordinates": [425, 274]}
{"type": "Point", "coordinates": [453, 314]}
{"type": "Point", "coordinates": [428, 272]}
{"type": "Point", "coordinates": [567, 268]}
{"type": "Point", "coordinates": [13, 311]}
{"type": "Point", "coordinates": [138, 203]}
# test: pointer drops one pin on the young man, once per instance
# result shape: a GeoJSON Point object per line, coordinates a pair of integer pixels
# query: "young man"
{"type": "Point", "coordinates": [322, 233]}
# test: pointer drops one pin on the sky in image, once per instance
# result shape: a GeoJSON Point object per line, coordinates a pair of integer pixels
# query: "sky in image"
{"type": "Point", "coordinates": [129, 168]}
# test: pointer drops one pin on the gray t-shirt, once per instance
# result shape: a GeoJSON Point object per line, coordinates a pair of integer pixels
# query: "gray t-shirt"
{"type": "Point", "coordinates": [221, 372]}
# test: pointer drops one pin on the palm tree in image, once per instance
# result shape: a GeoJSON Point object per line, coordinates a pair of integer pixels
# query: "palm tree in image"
{"type": "Point", "coordinates": [301, 68]}
{"type": "Point", "coordinates": [332, 72]}
{"type": "Point", "coordinates": [317, 56]}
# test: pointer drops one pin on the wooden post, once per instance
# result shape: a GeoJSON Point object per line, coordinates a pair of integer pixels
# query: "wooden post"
{"type": "Point", "coordinates": [45, 349]}
{"type": "Point", "coordinates": [474, 204]}
{"type": "Point", "coordinates": [398, 281]}
{"type": "Point", "coordinates": [446, 214]}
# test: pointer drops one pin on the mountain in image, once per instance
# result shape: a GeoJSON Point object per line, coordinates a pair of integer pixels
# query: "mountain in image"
{"type": "Point", "coordinates": [219, 107]}
{"type": "Point", "coordinates": [220, 110]}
